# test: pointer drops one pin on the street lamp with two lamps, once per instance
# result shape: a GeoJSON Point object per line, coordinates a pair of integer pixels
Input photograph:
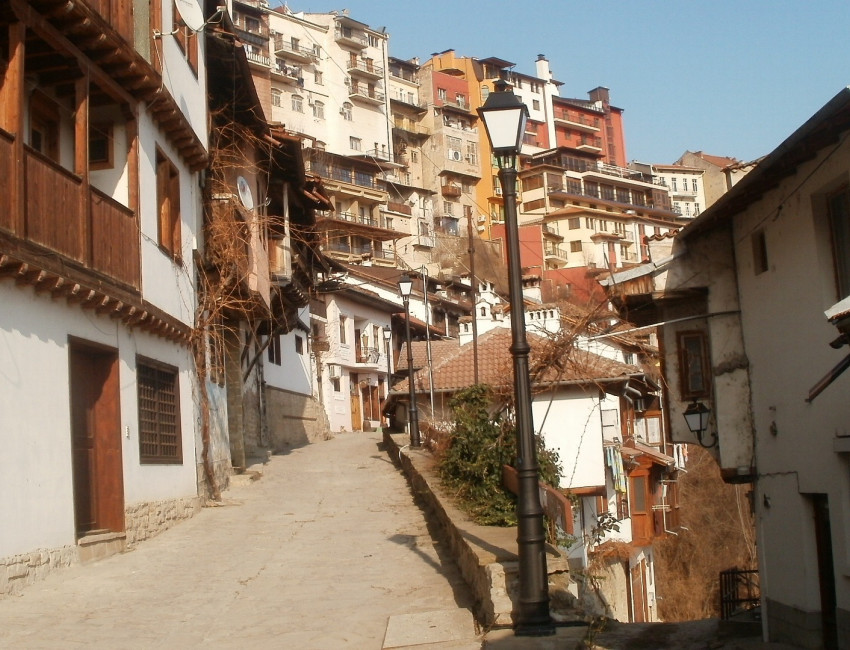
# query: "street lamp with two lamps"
{"type": "Point", "coordinates": [504, 117]}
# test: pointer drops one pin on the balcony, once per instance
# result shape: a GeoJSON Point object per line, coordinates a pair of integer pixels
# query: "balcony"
{"type": "Point", "coordinates": [344, 174]}
{"type": "Point", "coordinates": [294, 52]}
{"type": "Point", "coordinates": [575, 121]}
{"type": "Point", "coordinates": [450, 190]}
{"type": "Point", "coordinates": [411, 128]}
{"type": "Point", "coordinates": [365, 94]}
{"type": "Point", "coordinates": [289, 74]}
{"type": "Point", "coordinates": [365, 69]}
{"type": "Point", "coordinates": [365, 219]}
{"type": "Point", "coordinates": [258, 58]}
{"type": "Point", "coordinates": [65, 216]}
{"type": "Point", "coordinates": [554, 251]}
{"type": "Point", "coordinates": [447, 226]}
{"type": "Point", "coordinates": [457, 106]}
{"type": "Point", "coordinates": [404, 75]}
{"type": "Point", "coordinates": [351, 37]}
{"type": "Point", "coordinates": [368, 356]}
{"type": "Point", "coordinates": [426, 241]}
{"type": "Point", "coordinates": [590, 144]}
{"type": "Point", "coordinates": [399, 208]}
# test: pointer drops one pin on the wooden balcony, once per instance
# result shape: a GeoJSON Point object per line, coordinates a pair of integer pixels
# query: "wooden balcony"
{"type": "Point", "coordinates": [62, 214]}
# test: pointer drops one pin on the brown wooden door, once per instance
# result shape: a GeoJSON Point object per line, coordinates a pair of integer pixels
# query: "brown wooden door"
{"type": "Point", "coordinates": [354, 394]}
{"type": "Point", "coordinates": [638, 580]}
{"type": "Point", "coordinates": [96, 440]}
{"type": "Point", "coordinates": [640, 507]}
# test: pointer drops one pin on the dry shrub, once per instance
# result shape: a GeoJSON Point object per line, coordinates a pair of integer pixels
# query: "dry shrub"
{"type": "Point", "coordinates": [718, 534]}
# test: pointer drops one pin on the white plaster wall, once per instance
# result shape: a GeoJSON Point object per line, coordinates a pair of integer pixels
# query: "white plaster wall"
{"type": "Point", "coordinates": [570, 423]}
{"type": "Point", "coordinates": [295, 370]}
{"type": "Point", "coordinates": [165, 283]}
{"type": "Point", "coordinates": [35, 468]}
{"type": "Point", "coordinates": [785, 363]}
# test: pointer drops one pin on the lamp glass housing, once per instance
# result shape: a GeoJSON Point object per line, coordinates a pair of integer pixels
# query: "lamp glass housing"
{"type": "Point", "coordinates": [696, 416]}
{"type": "Point", "coordinates": [405, 286]}
{"type": "Point", "coordinates": [504, 117]}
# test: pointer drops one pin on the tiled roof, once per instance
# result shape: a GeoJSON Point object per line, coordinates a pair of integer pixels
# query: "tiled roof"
{"type": "Point", "coordinates": [455, 370]}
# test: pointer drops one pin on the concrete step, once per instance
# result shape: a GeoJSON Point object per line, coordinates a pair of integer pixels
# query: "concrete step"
{"type": "Point", "coordinates": [453, 629]}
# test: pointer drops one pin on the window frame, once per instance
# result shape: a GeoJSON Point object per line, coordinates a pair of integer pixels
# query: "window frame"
{"type": "Point", "coordinates": [167, 197]}
{"type": "Point", "coordinates": [686, 388]}
{"type": "Point", "coordinates": [163, 373]}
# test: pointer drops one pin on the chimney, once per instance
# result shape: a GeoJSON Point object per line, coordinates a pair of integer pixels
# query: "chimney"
{"type": "Point", "coordinates": [543, 71]}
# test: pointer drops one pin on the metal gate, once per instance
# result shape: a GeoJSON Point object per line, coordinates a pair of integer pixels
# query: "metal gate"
{"type": "Point", "coordinates": [739, 592]}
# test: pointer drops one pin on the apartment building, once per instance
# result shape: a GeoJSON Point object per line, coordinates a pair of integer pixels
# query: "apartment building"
{"type": "Point", "coordinates": [684, 184]}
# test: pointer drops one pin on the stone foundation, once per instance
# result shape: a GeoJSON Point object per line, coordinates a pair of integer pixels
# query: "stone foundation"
{"type": "Point", "coordinates": [18, 571]}
{"type": "Point", "coordinates": [146, 520]}
{"type": "Point", "coordinates": [294, 419]}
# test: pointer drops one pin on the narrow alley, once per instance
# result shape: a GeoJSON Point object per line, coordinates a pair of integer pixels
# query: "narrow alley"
{"type": "Point", "coordinates": [326, 550]}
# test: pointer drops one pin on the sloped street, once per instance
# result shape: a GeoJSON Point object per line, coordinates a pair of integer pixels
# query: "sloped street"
{"type": "Point", "coordinates": [326, 550]}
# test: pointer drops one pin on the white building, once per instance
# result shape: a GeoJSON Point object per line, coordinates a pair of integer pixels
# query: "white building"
{"type": "Point", "coordinates": [98, 226]}
{"type": "Point", "coordinates": [749, 302]}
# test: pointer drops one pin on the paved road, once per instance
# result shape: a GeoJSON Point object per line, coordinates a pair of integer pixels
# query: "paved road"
{"type": "Point", "coordinates": [323, 551]}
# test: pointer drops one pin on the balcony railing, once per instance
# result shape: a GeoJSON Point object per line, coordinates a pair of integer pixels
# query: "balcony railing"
{"type": "Point", "coordinates": [351, 37]}
{"type": "Point", "coordinates": [401, 208]}
{"type": "Point", "coordinates": [365, 219]}
{"type": "Point", "coordinates": [62, 214]}
{"type": "Point", "coordinates": [450, 190]}
{"type": "Point", "coordinates": [261, 59]}
{"type": "Point", "coordinates": [366, 68]}
{"type": "Point", "coordinates": [281, 44]}
{"type": "Point", "coordinates": [344, 174]}
{"type": "Point", "coordinates": [405, 75]}
{"type": "Point", "coordinates": [357, 91]}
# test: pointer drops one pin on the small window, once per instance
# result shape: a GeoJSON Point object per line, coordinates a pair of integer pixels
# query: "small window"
{"type": "Point", "coordinates": [336, 384]}
{"type": "Point", "coordinates": [299, 345]}
{"type": "Point", "coordinates": [575, 246]}
{"type": "Point", "coordinates": [100, 146]}
{"type": "Point", "coordinates": [160, 440]}
{"type": "Point", "coordinates": [441, 94]}
{"type": "Point", "coordinates": [759, 252]}
{"type": "Point", "coordinates": [319, 110]}
{"type": "Point", "coordinates": [274, 349]}
{"type": "Point", "coordinates": [839, 223]}
{"type": "Point", "coordinates": [347, 113]}
{"type": "Point", "coordinates": [276, 97]}
{"type": "Point", "coordinates": [574, 223]}
{"type": "Point", "coordinates": [356, 144]}
{"type": "Point", "coordinates": [343, 325]}
{"type": "Point", "coordinates": [168, 205]}
{"type": "Point", "coordinates": [318, 79]}
{"type": "Point", "coordinates": [298, 103]}
{"type": "Point", "coordinates": [693, 365]}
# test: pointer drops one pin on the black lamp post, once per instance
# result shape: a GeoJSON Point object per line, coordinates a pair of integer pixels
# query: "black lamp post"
{"type": "Point", "coordinates": [405, 285]}
{"type": "Point", "coordinates": [504, 119]}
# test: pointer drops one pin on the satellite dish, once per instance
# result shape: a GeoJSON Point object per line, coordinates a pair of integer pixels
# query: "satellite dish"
{"type": "Point", "coordinates": [191, 13]}
{"type": "Point", "coordinates": [245, 194]}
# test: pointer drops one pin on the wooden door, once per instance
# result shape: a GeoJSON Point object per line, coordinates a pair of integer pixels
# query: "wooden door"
{"type": "Point", "coordinates": [640, 507]}
{"type": "Point", "coordinates": [638, 580]}
{"type": "Point", "coordinates": [354, 394]}
{"type": "Point", "coordinates": [96, 440]}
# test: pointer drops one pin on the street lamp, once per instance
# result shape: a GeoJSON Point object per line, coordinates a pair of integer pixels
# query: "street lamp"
{"type": "Point", "coordinates": [405, 284]}
{"type": "Point", "coordinates": [696, 416]}
{"type": "Point", "coordinates": [504, 118]}
{"type": "Point", "coordinates": [388, 334]}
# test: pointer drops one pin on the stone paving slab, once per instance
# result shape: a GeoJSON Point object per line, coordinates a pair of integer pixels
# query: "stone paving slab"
{"type": "Point", "coordinates": [410, 630]}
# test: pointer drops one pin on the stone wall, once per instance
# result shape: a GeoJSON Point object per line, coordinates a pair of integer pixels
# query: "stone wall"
{"type": "Point", "coordinates": [146, 520]}
{"type": "Point", "coordinates": [485, 555]}
{"type": "Point", "coordinates": [294, 419]}
{"type": "Point", "coordinates": [18, 571]}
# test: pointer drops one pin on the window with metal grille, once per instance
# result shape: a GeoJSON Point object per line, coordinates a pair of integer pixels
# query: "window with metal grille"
{"type": "Point", "coordinates": [160, 440]}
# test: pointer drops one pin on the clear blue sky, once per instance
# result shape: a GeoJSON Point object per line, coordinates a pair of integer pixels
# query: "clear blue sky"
{"type": "Point", "coordinates": [731, 78]}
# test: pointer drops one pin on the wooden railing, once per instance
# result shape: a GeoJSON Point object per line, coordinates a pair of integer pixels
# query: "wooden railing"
{"type": "Point", "coordinates": [7, 218]}
{"type": "Point", "coordinates": [117, 13]}
{"type": "Point", "coordinates": [62, 214]}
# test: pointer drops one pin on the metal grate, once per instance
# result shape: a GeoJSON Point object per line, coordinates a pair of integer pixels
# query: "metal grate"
{"type": "Point", "coordinates": [159, 422]}
{"type": "Point", "coordinates": [739, 592]}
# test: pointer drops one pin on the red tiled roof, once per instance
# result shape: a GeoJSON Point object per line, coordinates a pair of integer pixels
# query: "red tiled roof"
{"type": "Point", "coordinates": [454, 371]}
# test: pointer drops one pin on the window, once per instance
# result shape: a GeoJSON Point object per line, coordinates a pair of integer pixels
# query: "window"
{"type": "Point", "coordinates": [414, 155]}
{"type": "Point", "coordinates": [448, 208]}
{"type": "Point", "coordinates": [373, 41]}
{"type": "Point", "coordinates": [299, 345]}
{"type": "Point", "coordinates": [460, 100]}
{"type": "Point", "coordinates": [44, 125]}
{"type": "Point", "coordinates": [441, 94]}
{"type": "Point", "coordinates": [168, 205]}
{"type": "Point", "coordinates": [160, 440]}
{"type": "Point", "coordinates": [674, 185]}
{"type": "Point", "coordinates": [298, 103]}
{"type": "Point", "coordinates": [319, 110]}
{"type": "Point", "coordinates": [838, 206]}
{"type": "Point", "coordinates": [574, 223]}
{"type": "Point", "coordinates": [693, 364]}
{"type": "Point", "coordinates": [694, 184]}
{"type": "Point", "coordinates": [276, 97]}
{"type": "Point", "coordinates": [318, 79]}
{"type": "Point", "coordinates": [575, 246]}
{"type": "Point", "coordinates": [336, 384]}
{"type": "Point", "coordinates": [187, 40]}
{"type": "Point", "coordinates": [472, 153]}
{"type": "Point", "coordinates": [273, 349]}
{"type": "Point", "coordinates": [356, 144]}
{"type": "Point", "coordinates": [100, 146]}
{"type": "Point", "coordinates": [343, 326]}
{"type": "Point", "coordinates": [347, 113]}
{"type": "Point", "coordinates": [590, 223]}
{"type": "Point", "coordinates": [759, 252]}
{"type": "Point", "coordinates": [535, 104]}
{"type": "Point", "coordinates": [252, 25]}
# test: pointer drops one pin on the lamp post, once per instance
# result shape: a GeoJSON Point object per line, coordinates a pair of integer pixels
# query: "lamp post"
{"type": "Point", "coordinates": [405, 285]}
{"type": "Point", "coordinates": [504, 118]}
{"type": "Point", "coordinates": [388, 334]}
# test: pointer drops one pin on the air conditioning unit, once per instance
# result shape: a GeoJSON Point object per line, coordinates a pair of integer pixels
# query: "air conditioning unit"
{"type": "Point", "coordinates": [455, 155]}
{"type": "Point", "coordinates": [334, 370]}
